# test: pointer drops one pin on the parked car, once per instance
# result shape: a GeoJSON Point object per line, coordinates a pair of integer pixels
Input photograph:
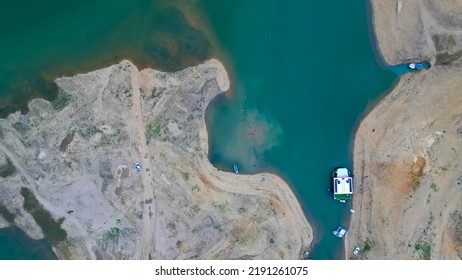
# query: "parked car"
{"type": "Point", "coordinates": [356, 251]}
{"type": "Point", "coordinates": [138, 166]}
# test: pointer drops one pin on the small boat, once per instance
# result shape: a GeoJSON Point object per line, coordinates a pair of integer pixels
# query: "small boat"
{"type": "Point", "coordinates": [339, 232]}
{"type": "Point", "coordinates": [236, 170]}
{"type": "Point", "coordinates": [415, 66]}
{"type": "Point", "coordinates": [342, 184]}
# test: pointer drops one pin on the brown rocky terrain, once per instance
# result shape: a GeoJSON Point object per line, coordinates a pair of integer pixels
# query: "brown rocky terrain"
{"type": "Point", "coordinates": [68, 173]}
{"type": "Point", "coordinates": [408, 148]}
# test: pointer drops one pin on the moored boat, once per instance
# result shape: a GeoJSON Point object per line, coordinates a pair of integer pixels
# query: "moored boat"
{"type": "Point", "coordinates": [342, 184]}
{"type": "Point", "coordinates": [236, 170]}
{"type": "Point", "coordinates": [415, 66]}
{"type": "Point", "coordinates": [339, 232]}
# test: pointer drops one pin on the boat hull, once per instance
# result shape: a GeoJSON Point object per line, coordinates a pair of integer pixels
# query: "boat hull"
{"type": "Point", "coordinates": [236, 170]}
{"type": "Point", "coordinates": [415, 66]}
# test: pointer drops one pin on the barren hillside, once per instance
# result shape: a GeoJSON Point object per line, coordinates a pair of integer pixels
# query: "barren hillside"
{"type": "Point", "coordinates": [69, 172]}
{"type": "Point", "coordinates": [408, 149]}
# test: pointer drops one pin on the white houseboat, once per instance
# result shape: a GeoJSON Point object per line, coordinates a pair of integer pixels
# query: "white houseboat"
{"type": "Point", "coordinates": [342, 184]}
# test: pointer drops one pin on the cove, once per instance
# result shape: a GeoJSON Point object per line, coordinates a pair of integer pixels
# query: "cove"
{"type": "Point", "coordinates": [303, 74]}
{"type": "Point", "coordinates": [402, 69]}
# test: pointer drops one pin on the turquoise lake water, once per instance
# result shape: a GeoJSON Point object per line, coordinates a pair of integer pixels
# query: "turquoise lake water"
{"type": "Point", "coordinates": [303, 72]}
{"type": "Point", "coordinates": [15, 245]}
{"type": "Point", "coordinates": [303, 75]}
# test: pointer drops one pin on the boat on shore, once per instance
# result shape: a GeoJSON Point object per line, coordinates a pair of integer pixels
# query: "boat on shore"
{"type": "Point", "coordinates": [236, 170]}
{"type": "Point", "coordinates": [342, 184]}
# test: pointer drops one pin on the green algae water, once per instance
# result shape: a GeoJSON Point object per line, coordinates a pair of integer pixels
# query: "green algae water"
{"type": "Point", "coordinates": [303, 72]}
{"type": "Point", "coordinates": [41, 40]}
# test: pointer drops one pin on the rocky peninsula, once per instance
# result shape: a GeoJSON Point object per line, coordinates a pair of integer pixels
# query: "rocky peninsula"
{"type": "Point", "coordinates": [408, 148]}
{"type": "Point", "coordinates": [68, 173]}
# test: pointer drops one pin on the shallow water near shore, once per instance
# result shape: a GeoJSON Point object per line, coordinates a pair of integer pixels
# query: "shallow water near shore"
{"type": "Point", "coordinates": [15, 245]}
{"type": "Point", "coordinates": [402, 69]}
{"type": "Point", "coordinates": [302, 76]}
{"type": "Point", "coordinates": [44, 40]}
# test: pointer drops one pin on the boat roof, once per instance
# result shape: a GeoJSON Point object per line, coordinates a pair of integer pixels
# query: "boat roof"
{"type": "Point", "coordinates": [343, 185]}
{"type": "Point", "coordinates": [342, 172]}
{"type": "Point", "coordinates": [340, 232]}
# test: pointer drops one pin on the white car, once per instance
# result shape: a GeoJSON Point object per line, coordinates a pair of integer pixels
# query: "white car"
{"type": "Point", "coordinates": [356, 251]}
{"type": "Point", "coordinates": [138, 166]}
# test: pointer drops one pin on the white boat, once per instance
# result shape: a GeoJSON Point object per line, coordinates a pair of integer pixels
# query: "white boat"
{"type": "Point", "coordinates": [339, 232]}
{"type": "Point", "coordinates": [236, 170]}
{"type": "Point", "coordinates": [415, 66]}
{"type": "Point", "coordinates": [342, 184]}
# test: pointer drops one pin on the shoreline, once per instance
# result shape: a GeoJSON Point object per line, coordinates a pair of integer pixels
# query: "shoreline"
{"type": "Point", "coordinates": [104, 61]}
{"type": "Point", "coordinates": [43, 72]}
{"type": "Point", "coordinates": [405, 198]}
{"type": "Point", "coordinates": [372, 30]}
{"type": "Point", "coordinates": [42, 247]}
{"type": "Point", "coordinates": [375, 46]}
{"type": "Point", "coordinates": [214, 193]}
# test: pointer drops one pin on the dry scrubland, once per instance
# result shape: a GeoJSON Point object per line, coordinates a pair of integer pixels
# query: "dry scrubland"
{"type": "Point", "coordinates": [408, 149]}
{"type": "Point", "coordinates": [68, 173]}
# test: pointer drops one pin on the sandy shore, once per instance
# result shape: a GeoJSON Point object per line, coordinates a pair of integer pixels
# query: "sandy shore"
{"type": "Point", "coordinates": [407, 155]}
{"type": "Point", "coordinates": [77, 156]}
